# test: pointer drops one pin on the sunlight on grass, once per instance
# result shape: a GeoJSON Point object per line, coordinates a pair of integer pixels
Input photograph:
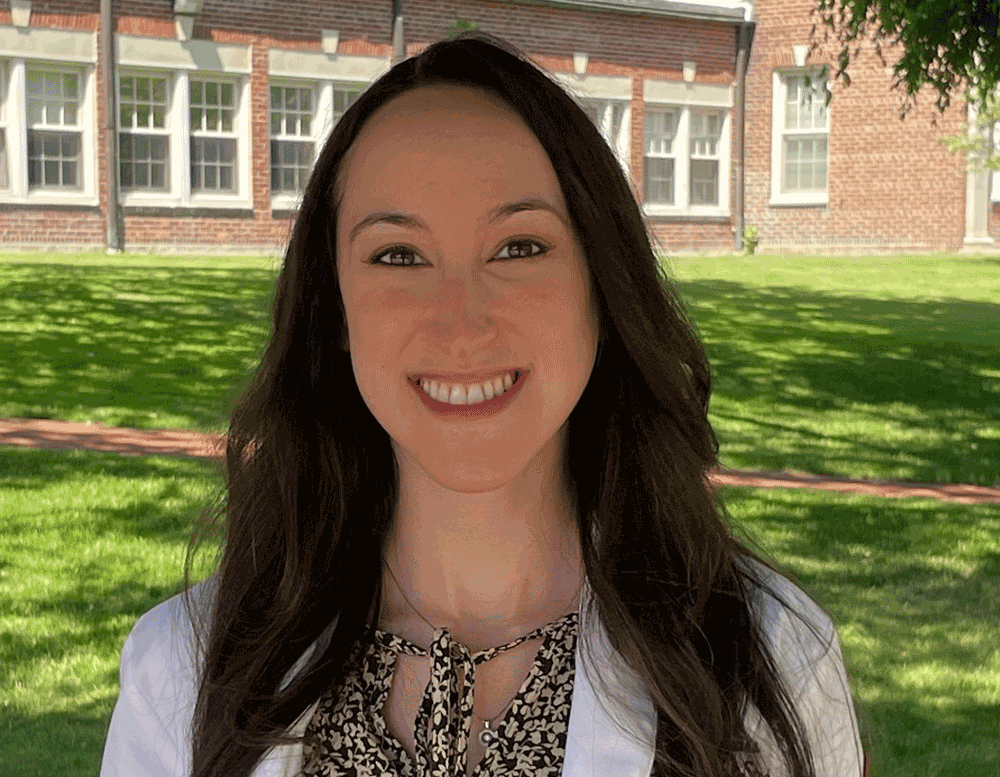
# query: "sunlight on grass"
{"type": "Point", "coordinates": [914, 587]}
{"type": "Point", "coordinates": [872, 367]}
{"type": "Point", "coordinates": [89, 542]}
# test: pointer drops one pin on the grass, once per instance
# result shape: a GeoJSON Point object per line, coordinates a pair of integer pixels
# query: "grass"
{"type": "Point", "coordinates": [871, 367]}
{"type": "Point", "coordinates": [91, 540]}
{"type": "Point", "coordinates": [879, 367]}
{"type": "Point", "coordinates": [863, 366]}
{"type": "Point", "coordinates": [150, 342]}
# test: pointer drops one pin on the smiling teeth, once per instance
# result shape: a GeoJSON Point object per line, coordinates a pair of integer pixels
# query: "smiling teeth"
{"type": "Point", "coordinates": [468, 394]}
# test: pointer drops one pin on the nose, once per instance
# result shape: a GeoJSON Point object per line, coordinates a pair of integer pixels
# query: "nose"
{"type": "Point", "coordinates": [460, 323]}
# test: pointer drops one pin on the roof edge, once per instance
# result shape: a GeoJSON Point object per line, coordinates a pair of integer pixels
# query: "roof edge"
{"type": "Point", "coordinates": [668, 8]}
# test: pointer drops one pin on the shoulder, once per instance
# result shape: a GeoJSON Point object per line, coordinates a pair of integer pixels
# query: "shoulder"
{"type": "Point", "coordinates": [159, 675]}
{"type": "Point", "coordinates": [803, 642]}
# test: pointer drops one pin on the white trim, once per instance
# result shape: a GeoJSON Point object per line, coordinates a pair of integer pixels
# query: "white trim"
{"type": "Point", "coordinates": [779, 197]}
{"type": "Point", "coordinates": [681, 93]}
{"type": "Point", "coordinates": [50, 45]}
{"type": "Point", "coordinates": [596, 87]}
{"type": "Point", "coordinates": [171, 54]}
{"type": "Point", "coordinates": [293, 63]}
{"type": "Point", "coordinates": [682, 206]}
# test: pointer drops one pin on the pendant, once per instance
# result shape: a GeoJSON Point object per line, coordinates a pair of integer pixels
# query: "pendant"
{"type": "Point", "coordinates": [487, 736]}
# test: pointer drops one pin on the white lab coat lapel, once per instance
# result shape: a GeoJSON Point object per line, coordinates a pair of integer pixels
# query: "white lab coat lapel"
{"type": "Point", "coordinates": [612, 721]}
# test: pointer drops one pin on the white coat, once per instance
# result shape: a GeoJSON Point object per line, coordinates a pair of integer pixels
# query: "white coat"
{"type": "Point", "coordinates": [149, 732]}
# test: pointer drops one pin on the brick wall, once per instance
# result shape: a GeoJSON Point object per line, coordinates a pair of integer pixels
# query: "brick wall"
{"type": "Point", "coordinates": [892, 186]}
{"type": "Point", "coordinates": [656, 48]}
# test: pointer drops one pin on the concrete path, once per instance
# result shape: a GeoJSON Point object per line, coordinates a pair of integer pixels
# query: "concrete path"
{"type": "Point", "coordinates": [63, 435]}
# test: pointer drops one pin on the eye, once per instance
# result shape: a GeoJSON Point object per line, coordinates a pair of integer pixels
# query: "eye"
{"type": "Point", "coordinates": [401, 256]}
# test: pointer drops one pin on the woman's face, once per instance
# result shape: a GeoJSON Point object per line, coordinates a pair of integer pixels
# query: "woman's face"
{"type": "Point", "coordinates": [466, 296]}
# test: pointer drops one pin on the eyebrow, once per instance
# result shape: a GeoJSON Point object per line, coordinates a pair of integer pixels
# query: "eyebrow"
{"type": "Point", "coordinates": [414, 222]}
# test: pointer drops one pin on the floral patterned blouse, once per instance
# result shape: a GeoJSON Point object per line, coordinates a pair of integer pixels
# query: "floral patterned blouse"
{"type": "Point", "coordinates": [348, 735]}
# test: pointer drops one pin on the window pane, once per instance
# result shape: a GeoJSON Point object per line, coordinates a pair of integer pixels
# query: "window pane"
{"type": "Point", "coordinates": [227, 94]}
{"type": "Point", "coordinates": [160, 90]}
{"type": "Point", "coordinates": [227, 121]}
{"type": "Point", "coordinates": [141, 115]}
{"type": "Point", "coordinates": [125, 88]}
{"type": "Point", "coordinates": [4, 180]}
{"type": "Point", "coordinates": [276, 97]}
{"type": "Point", "coordinates": [157, 179]}
{"type": "Point", "coordinates": [34, 172]}
{"type": "Point", "coordinates": [212, 119]}
{"type": "Point", "coordinates": [35, 82]}
{"type": "Point", "coordinates": [196, 92]}
{"type": "Point", "coordinates": [69, 85]}
{"type": "Point", "coordinates": [275, 123]}
{"type": "Point", "coordinates": [211, 93]}
{"type": "Point", "coordinates": [305, 127]}
{"type": "Point", "coordinates": [142, 91]}
{"type": "Point", "coordinates": [159, 117]}
{"type": "Point", "coordinates": [50, 173]}
{"type": "Point", "coordinates": [658, 180]}
{"type": "Point", "coordinates": [704, 182]}
{"type": "Point", "coordinates": [196, 119]}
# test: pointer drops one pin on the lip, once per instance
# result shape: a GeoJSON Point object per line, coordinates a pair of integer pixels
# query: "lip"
{"type": "Point", "coordinates": [466, 377]}
{"type": "Point", "coordinates": [482, 410]}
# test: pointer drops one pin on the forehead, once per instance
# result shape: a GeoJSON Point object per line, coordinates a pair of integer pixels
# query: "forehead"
{"type": "Point", "coordinates": [448, 146]}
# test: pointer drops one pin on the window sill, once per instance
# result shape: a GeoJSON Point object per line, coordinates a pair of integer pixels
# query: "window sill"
{"type": "Point", "coordinates": [800, 200]}
{"type": "Point", "coordinates": [669, 213]}
{"type": "Point", "coordinates": [286, 202]}
{"type": "Point", "coordinates": [164, 201]}
{"type": "Point", "coordinates": [43, 198]}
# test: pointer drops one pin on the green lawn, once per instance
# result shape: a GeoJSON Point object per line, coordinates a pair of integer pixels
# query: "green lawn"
{"type": "Point", "coordinates": [863, 366]}
{"type": "Point", "coordinates": [885, 367]}
{"type": "Point", "coordinates": [146, 341]}
{"type": "Point", "coordinates": [882, 367]}
{"type": "Point", "coordinates": [89, 541]}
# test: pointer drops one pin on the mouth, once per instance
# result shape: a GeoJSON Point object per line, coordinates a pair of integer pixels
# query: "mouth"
{"type": "Point", "coordinates": [488, 398]}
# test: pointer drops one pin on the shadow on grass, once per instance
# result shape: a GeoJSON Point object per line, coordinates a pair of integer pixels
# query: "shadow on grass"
{"type": "Point", "coordinates": [29, 751]}
{"type": "Point", "coordinates": [914, 588]}
{"type": "Point", "coordinates": [93, 506]}
{"type": "Point", "coordinates": [785, 359]}
{"type": "Point", "coordinates": [150, 347]}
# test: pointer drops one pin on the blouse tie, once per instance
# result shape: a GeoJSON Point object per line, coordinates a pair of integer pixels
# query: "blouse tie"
{"type": "Point", "coordinates": [444, 720]}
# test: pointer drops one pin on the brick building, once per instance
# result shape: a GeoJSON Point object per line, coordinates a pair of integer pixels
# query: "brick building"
{"type": "Point", "coordinates": [221, 105]}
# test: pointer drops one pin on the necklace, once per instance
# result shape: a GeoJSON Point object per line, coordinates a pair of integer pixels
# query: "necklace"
{"type": "Point", "coordinates": [488, 735]}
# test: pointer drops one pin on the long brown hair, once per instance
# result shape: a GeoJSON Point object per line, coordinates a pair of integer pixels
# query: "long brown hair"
{"type": "Point", "coordinates": [312, 481]}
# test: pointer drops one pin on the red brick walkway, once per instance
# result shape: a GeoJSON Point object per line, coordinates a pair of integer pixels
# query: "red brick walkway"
{"type": "Point", "coordinates": [136, 442]}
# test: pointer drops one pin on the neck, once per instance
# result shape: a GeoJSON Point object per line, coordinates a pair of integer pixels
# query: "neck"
{"type": "Point", "coordinates": [487, 566]}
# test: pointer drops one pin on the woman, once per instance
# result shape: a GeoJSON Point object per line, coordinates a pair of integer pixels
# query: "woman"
{"type": "Point", "coordinates": [468, 529]}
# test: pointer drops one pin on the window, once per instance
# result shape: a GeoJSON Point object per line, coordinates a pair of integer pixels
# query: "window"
{"type": "Point", "coordinates": [143, 140]}
{"type": "Point", "coordinates": [4, 167]}
{"type": "Point", "coordinates": [659, 161]}
{"type": "Point", "coordinates": [800, 143]}
{"type": "Point", "coordinates": [297, 131]}
{"type": "Point", "coordinates": [686, 160]}
{"type": "Point", "coordinates": [292, 145]}
{"type": "Point", "coordinates": [54, 131]}
{"type": "Point", "coordinates": [611, 117]}
{"type": "Point", "coordinates": [706, 127]}
{"type": "Point", "coordinates": [213, 136]}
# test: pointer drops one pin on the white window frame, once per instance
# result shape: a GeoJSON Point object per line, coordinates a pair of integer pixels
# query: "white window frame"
{"type": "Point", "coordinates": [240, 140]}
{"type": "Point", "coordinates": [325, 116]}
{"type": "Point", "coordinates": [613, 119]}
{"type": "Point", "coordinates": [15, 113]}
{"type": "Point", "coordinates": [779, 93]}
{"type": "Point", "coordinates": [5, 161]}
{"type": "Point", "coordinates": [682, 205]}
{"type": "Point", "coordinates": [310, 88]}
{"type": "Point", "coordinates": [653, 145]}
{"type": "Point", "coordinates": [133, 196]}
